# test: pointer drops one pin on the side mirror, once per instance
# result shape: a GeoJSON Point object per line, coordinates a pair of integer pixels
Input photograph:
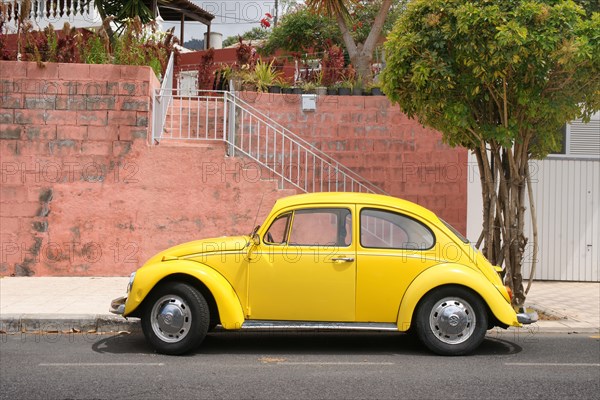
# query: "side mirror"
{"type": "Point", "coordinates": [255, 239]}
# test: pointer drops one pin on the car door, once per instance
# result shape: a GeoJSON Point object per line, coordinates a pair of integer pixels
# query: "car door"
{"type": "Point", "coordinates": [393, 247]}
{"type": "Point", "coordinates": [304, 268]}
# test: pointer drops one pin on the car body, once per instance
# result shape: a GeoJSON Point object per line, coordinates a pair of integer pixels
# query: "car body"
{"type": "Point", "coordinates": [325, 261]}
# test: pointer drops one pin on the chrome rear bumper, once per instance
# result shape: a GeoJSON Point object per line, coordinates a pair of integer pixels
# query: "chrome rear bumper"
{"type": "Point", "coordinates": [117, 306]}
{"type": "Point", "coordinates": [527, 316]}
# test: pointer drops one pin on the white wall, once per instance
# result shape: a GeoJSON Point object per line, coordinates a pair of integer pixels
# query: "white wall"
{"type": "Point", "coordinates": [567, 199]}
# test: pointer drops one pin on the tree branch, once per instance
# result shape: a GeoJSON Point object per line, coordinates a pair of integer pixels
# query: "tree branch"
{"type": "Point", "coordinates": [377, 26]}
{"type": "Point", "coordinates": [346, 36]}
{"type": "Point", "coordinates": [534, 228]}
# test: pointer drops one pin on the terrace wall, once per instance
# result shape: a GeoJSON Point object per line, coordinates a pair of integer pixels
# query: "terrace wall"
{"type": "Point", "coordinates": [84, 193]}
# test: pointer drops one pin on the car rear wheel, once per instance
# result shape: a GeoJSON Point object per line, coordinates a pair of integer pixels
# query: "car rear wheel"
{"type": "Point", "coordinates": [175, 318]}
{"type": "Point", "coordinates": [451, 321]}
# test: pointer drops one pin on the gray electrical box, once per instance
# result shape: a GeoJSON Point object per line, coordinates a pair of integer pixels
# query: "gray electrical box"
{"type": "Point", "coordinates": [309, 102]}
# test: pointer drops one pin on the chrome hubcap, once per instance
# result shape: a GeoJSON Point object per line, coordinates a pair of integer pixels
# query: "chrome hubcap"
{"type": "Point", "coordinates": [171, 318]}
{"type": "Point", "coordinates": [452, 320]}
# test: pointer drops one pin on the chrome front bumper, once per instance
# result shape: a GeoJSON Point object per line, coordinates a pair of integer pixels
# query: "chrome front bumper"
{"type": "Point", "coordinates": [117, 306]}
{"type": "Point", "coordinates": [527, 316]}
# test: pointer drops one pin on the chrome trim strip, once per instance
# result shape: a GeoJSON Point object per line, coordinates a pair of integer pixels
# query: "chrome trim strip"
{"type": "Point", "coordinates": [304, 325]}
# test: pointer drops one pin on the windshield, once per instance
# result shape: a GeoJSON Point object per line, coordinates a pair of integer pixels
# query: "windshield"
{"type": "Point", "coordinates": [456, 232]}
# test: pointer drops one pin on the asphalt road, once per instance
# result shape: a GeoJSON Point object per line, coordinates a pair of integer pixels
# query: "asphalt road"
{"type": "Point", "coordinates": [298, 366]}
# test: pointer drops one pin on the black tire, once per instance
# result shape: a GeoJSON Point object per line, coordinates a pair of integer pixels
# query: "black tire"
{"type": "Point", "coordinates": [175, 318]}
{"type": "Point", "coordinates": [451, 321]}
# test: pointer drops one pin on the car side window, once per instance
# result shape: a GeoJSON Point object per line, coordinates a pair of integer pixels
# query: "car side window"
{"type": "Point", "coordinates": [277, 233]}
{"type": "Point", "coordinates": [321, 227]}
{"type": "Point", "coordinates": [390, 230]}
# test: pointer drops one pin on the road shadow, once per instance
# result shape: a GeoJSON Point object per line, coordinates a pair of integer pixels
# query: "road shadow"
{"type": "Point", "coordinates": [122, 343]}
{"type": "Point", "coordinates": [301, 343]}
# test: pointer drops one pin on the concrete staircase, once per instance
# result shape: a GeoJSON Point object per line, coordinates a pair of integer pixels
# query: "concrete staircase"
{"type": "Point", "coordinates": [194, 118]}
{"type": "Point", "coordinates": [269, 146]}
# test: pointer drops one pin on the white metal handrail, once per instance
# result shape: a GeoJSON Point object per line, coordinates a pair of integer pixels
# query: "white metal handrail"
{"type": "Point", "coordinates": [162, 100]}
{"type": "Point", "coordinates": [292, 159]}
{"type": "Point", "coordinates": [191, 117]}
{"type": "Point", "coordinates": [294, 162]}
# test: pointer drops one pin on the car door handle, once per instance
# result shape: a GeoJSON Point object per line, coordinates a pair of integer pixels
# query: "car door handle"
{"type": "Point", "coordinates": [342, 259]}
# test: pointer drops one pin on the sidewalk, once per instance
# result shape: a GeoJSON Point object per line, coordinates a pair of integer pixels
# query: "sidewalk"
{"type": "Point", "coordinates": [81, 305]}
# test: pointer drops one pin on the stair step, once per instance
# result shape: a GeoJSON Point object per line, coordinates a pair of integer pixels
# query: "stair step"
{"type": "Point", "coordinates": [166, 142]}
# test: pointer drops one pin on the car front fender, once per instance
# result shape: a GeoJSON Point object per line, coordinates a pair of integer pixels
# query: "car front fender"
{"type": "Point", "coordinates": [454, 274]}
{"type": "Point", "coordinates": [228, 303]}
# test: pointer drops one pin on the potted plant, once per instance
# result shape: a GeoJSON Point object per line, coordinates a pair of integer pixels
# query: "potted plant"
{"type": "Point", "coordinates": [297, 89]}
{"type": "Point", "coordinates": [223, 76]}
{"type": "Point", "coordinates": [320, 89]}
{"type": "Point", "coordinates": [333, 90]}
{"type": "Point", "coordinates": [357, 88]}
{"type": "Point", "coordinates": [249, 81]}
{"type": "Point", "coordinates": [345, 87]}
{"type": "Point", "coordinates": [309, 87]}
{"type": "Point", "coordinates": [265, 76]}
{"type": "Point", "coordinates": [286, 87]}
{"type": "Point", "coordinates": [375, 89]}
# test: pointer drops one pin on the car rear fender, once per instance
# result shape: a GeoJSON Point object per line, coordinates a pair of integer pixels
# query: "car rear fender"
{"type": "Point", "coordinates": [226, 299]}
{"type": "Point", "coordinates": [454, 274]}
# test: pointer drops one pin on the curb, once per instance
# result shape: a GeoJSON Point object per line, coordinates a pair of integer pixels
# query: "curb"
{"type": "Point", "coordinates": [67, 323]}
{"type": "Point", "coordinates": [108, 323]}
{"type": "Point", "coordinates": [560, 328]}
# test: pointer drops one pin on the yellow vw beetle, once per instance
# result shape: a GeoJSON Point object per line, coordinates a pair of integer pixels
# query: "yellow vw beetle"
{"type": "Point", "coordinates": [325, 261]}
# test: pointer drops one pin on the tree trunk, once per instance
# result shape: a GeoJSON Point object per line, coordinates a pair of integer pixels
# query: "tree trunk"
{"type": "Point", "coordinates": [361, 54]}
{"type": "Point", "coordinates": [503, 179]}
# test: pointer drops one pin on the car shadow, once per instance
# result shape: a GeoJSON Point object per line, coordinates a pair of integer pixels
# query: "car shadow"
{"type": "Point", "coordinates": [121, 343]}
{"type": "Point", "coordinates": [301, 343]}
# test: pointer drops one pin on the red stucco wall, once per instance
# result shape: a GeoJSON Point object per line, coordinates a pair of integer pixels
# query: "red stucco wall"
{"type": "Point", "coordinates": [83, 193]}
{"type": "Point", "coordinates": [376, 140]}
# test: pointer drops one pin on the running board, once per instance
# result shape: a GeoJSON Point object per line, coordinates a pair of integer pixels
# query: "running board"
{"type": "Point", "coordinates": [302, 325]}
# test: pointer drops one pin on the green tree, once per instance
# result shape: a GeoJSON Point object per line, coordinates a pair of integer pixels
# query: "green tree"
{"type": "Point", "coordinates": [256, 33]}
{"type": "Point", "coordinates": [194, 44]}
{"type": "Point", "coordinates": [119, 12]}
{"type": "Point", "coordinates": [301, 31]}
{"type": "Point", "coordinates": [123, 10]}
{"type": "Point", "coordinates": [355, 18]}
{"type": "Point", "coordinates": [500, 78]}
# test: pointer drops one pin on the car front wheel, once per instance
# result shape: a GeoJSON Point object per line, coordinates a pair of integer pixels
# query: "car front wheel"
{"type": "Point", "coordinates": [175, 318]}
{"type": "Point", "coordinates": [451, 321]}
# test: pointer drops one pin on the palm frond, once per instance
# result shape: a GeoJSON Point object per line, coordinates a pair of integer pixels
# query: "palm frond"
{"type": "Point", "coordinates": [330, 8]}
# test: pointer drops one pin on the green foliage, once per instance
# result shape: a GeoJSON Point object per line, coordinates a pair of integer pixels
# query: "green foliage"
{"type": "Point", "coordinates": [121, 11]}
{"type": "Point", "coordinates": [500, 78]}
{"type": "Point", "coordinates": [363, 12]}
{"type": "Point", "coordinates": [194, 44]}
{"type": "Point", "coordinates": [263, 76]}
{"type": "Point", "coordinates": [331, 7]}
{"type": "Point", "coordinates": [301, 31]}
{"type": "Point", "coordinates": [52, 39]}
{"type": "Point", "coordinates": [505, 72]}
{"type": "Point", "coordinates": [96, 51]}
{"type": "Point", "coordinates": [138, 45]}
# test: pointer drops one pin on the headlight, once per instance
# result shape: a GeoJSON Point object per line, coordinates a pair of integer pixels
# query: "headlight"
{"type": "Point", "coordinates": [130, 284]}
